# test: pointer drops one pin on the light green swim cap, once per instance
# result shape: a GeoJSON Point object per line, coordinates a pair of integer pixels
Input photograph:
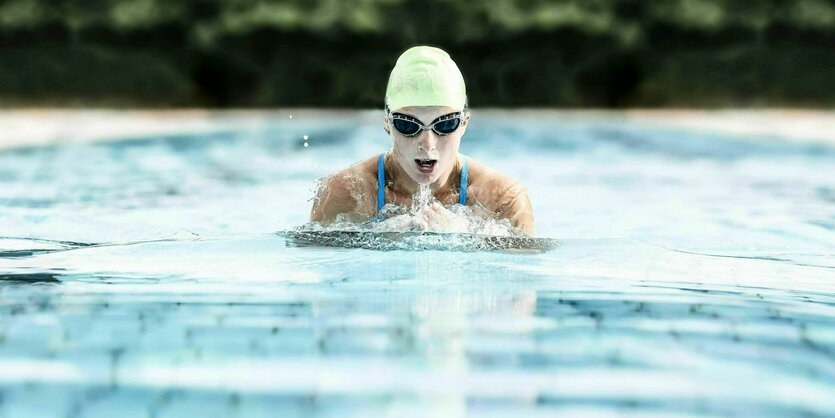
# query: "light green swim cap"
{"type": "Point", "coordinates": [425, 76]}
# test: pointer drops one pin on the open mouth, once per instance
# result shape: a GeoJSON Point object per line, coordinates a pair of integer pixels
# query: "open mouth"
{"type": "Point", "coordinates": [425, 166]}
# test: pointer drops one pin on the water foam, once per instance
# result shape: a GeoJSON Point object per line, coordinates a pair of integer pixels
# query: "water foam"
{"type": "Point", "coordinates": [425, 214]}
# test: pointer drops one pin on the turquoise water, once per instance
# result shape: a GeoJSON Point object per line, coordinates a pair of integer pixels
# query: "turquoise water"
{"type": "Point", "coordinates": [695, 277]}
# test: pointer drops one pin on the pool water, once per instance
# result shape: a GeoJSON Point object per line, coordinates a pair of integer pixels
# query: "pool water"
{"type": "Point", "coordinates": [695, 277]}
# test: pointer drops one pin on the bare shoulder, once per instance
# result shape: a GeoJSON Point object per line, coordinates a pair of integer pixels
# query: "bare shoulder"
{"type": "Point", "coordinates": [489, 185]}
{"type": "Point", "coordinates": [356, 176]}
{"type": "Point", "coordinates": [348, 191]}
{"type": "Point", "coordinates": [502, 195]}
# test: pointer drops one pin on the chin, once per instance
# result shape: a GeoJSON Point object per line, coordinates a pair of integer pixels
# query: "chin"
{"type": "Point", "coordinates": [424, 179]}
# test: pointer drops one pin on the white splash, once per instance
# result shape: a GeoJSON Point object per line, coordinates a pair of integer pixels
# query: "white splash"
{"type": "Point", "coordinates": [425, 214]}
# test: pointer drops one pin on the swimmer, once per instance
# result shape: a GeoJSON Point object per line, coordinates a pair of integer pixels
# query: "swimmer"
{"type": "Point", "coordinates": [426, 116]}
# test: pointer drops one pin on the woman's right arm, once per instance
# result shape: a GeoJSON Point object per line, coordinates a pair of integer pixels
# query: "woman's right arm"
{"type": "Point", "coordinates": [334, 197]}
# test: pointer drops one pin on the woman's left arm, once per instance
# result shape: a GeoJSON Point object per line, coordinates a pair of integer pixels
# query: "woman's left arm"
{"type": "Point", "coordinates": [515, 205]}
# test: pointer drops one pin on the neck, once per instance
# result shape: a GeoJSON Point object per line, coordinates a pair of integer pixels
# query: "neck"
{"type": "Point", "coordinates": [404, 184]}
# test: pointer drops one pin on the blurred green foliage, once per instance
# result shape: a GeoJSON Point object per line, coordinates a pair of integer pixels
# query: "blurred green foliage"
{"type": "Point", "coordinates": [579, 53]}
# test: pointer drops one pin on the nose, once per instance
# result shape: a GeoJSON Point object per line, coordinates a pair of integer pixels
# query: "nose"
{"type": "Point", "coordinates": [428, 141]}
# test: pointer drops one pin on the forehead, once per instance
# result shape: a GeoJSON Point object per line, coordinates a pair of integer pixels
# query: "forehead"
{"type": "Point", "coordinates": [426, 113]}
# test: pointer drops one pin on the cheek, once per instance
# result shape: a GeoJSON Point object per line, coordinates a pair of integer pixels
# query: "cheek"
{"type": "Point", "coordinates": [450, 147]}
{"type": "Point", "coordinates": [403, 147]}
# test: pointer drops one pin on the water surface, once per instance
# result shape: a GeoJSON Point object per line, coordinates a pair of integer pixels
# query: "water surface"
{"type": "Point", "coordinates": [695, 277]}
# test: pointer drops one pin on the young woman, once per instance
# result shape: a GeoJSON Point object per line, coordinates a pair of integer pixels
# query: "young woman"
{"type": "Point", "coordinates": [426, 117]}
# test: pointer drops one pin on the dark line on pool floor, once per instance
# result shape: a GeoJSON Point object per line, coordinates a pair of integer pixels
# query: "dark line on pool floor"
{"type": "Point", "coordinates": [50, 241]}
{"type": "Point", "coordinates": [71, 245]}
{"type": "Point", "coordinates": [29, 278]}
{"type": "Point", "coordinates": [743, 257]}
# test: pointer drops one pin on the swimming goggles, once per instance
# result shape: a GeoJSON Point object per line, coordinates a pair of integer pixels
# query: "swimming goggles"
{"type": "Point", "coordinates": [409, 126]}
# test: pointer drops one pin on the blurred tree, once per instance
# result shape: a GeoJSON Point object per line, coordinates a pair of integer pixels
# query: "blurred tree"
{"type": "Point", "coordinates": [339, 52]}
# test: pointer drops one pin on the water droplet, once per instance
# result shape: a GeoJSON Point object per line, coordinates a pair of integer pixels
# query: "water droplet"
{"type": "Point", "coordinates": [291, 116]}
{"type": "Point", "coordinates": [305, 144]}
{"type": "Point", "coordinates": [305, 137]}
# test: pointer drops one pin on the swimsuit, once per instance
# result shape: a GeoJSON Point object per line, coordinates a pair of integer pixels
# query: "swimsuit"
{"type": "Point", "coordinates": [381, 184]}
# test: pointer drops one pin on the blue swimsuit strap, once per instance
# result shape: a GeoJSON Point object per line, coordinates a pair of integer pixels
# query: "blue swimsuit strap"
{"type": "Point", "coordinates": [462, 199]}
{"type": "Point", "coordinates": [381, 183]}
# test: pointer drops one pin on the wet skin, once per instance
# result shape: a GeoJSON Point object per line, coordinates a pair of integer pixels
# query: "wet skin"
{"type": "Point", "coordinates": [353, 190]}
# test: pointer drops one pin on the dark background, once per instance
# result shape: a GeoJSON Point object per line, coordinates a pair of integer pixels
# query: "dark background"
{"type": "Point", "coordinates": [338, 53]}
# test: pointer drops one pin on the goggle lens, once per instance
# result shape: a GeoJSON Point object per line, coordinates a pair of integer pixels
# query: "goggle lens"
{"type": "Point", "coordinates": [446, 127]}
{"type": "Point", "coordinates": [406, 127]}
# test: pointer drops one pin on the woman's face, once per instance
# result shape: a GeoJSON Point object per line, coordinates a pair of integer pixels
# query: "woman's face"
{"type": "Point", "coordinates": [427, 157]}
